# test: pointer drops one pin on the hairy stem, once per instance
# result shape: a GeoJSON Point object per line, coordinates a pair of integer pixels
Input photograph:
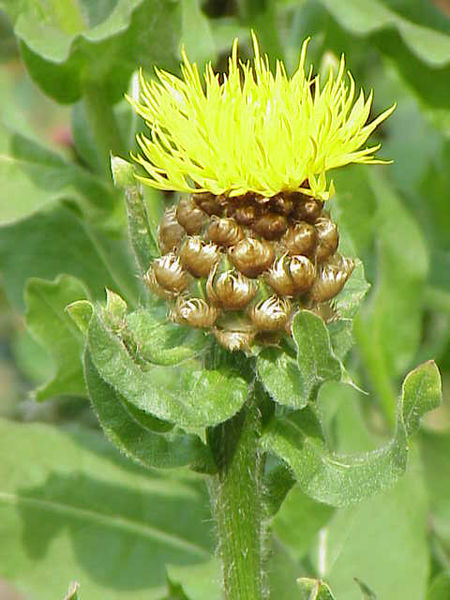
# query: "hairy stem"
{"type": "Point", "coordinates": [237, 502]}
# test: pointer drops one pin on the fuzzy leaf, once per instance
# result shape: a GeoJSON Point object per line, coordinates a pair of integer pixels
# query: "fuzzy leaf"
{"type": "Point", "coordinates": [55, 330]}
{"type": "Point", "coordinates": [340, 480]}
{"type": "Point", "coordinates": [315, 358]}
{"type": "Point", "coordinates": [161, 342]}
{"type": "Point", "coordinates": [71, 506]}
{"type": "Point", "coordinates": [143, 236]}
{"type": "Point", "coordinates": [189, 395]}
{"type": "Point", "coordinates": [147, 447]}
{"type": "Point", "coordinates": [281, 377]}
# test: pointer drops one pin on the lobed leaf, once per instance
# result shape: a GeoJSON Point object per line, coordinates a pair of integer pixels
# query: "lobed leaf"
{"type": "Point", "coordinates": [340, 480]}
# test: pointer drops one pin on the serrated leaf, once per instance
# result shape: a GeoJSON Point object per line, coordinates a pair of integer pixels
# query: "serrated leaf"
{"type": "Point", "coordinates": [281, 377]}
{"type": "Point", "coordinates": [314, 589]}
{"type": "Point", "coordinates": [101, 45]}
{"type": "Point", "coordinates": [362, 18]}
{"type": "Point", "coordinates": [72, 507]}
{"type": "Point", "coordinates": [148, 448]}
{"type": "Point", "coordinates": [315, 358]}
{"type": "Point", "coordinates": [339, 479]}
{"type": "Point", "coordinates": [189, 394]}
{"type": "Point", "coordinates": [54, 329]}
{"type": "Point", "coordinates": [55, 240]}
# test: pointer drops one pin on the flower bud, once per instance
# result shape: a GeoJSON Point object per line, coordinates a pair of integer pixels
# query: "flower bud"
{"type": "Point", "coordinates": [331, 279]}
{"type": "Point", "coordinates": [271, 226]}
{"type": "Point", "coordinates": [224, 231]}
{"type": "Point", "coordinates": [327, 239]}
{"type": "Point", "coordinates": [230, 290]}
{"type": "Point", "coordinates": [252, 257]}
{"type": "Point", "coordinates": [271, 314]}
{"type": "Point", "coordinates": [153, 285]}
{"type": "Point", "coordinates": [291, 276]}
{"type": "Point", "coordinates": [170, 231]}
{"type": "Point", "coordinates": [246, 214]}
{"type": "Point", "coordinates": [195, 312]}
{"type": "Point", "coordinates": [308, 209]}
{"type": "Point", "coordinates": [169, 273]}
{"type": "Point", "coordinates": [190, 217]}
{"type": "Point", "coordinates": [234, 340]}
{"type": "Point", "coordinates": [301, 238]}
{"type": "Point", "coordinates": [208, 202]}
{"type": "Point", "coordinates": [198, 257]}
{"type": "Point", "coordinates": [283, 204]}
{"type": "Point", "coordinates": [303, 273]}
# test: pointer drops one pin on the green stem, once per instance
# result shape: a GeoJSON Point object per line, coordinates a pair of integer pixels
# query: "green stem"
{"type": "Point", "coordinates": [103, 123]}
{"type": "Point", "coordinates": [237, 503]}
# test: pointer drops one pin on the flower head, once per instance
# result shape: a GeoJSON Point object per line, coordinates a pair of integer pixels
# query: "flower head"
{"type": "Point", "coordinates": [250, 130]}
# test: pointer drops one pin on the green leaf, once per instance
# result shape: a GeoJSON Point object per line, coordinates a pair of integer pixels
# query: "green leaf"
{"type": "Point", "coordinates": [102, 45]}
{"type": "Point", "coordinates": [198, 582]}
{"type": "Point", "coordinates": [281, 377]}
{"type": "Point", "coordinates": [35, 176]}
{"type": "Point", "coordinates": [314, 589]}
{"type": "Point", "coordinates": [315, 358]}
{"type": "Point", "coordinates": [160, 341]}
{"type": "Point", "coordinates": [435, 449]}
{"type": "Point", "coordinates": [368, 594]}
{"type": "Point", "coordinates": [196, 34]}
{"type": "Point", "coordinates": [363, 18]}
{"type": "Point", "coordinates": [339, 479]}
{"type": "Point", "coordinates": [396, 305]}
{"type": "Point", "coordinates": [346, 306]}
{"type": "Point", "coordinates": [55, 240]}
{"type": "Point", "coordinates": [55, 330]}
{"type": "Point", "coordinates": [72, 507]}
{"type": "Point", "coordinates": [382, 541]}
{"type": "Point", "coordinates": [72, 593]}
{"type": "Point", "coordinates": [440, 588]}
{"type": "Point", "coordinates": [299, 520]}
{"type": "Point", "coordinates": [147, 447]}
{"type": "Point", "coordinates": [143, 236]}
{"type": "Point", "coordinates": [189, 395]}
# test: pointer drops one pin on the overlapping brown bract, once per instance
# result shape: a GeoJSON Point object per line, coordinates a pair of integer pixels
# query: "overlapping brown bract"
{"type": "Point", "coordinates": [241, 267]}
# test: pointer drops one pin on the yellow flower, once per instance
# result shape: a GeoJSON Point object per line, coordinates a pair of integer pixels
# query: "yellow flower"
{"type": "Point", "coordinates": [250, 130]}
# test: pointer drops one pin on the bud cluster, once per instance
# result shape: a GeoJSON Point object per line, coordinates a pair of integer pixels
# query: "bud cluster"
{"type": "Point", "coordinates": [242, 266]}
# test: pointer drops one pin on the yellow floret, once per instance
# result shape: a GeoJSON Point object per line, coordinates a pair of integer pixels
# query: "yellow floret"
{"type": "Point", "coordinates": [250, 130]}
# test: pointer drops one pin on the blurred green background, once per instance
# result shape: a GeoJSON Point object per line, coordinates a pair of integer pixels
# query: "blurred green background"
{"type": "Point", "coordinates": [64, 68]}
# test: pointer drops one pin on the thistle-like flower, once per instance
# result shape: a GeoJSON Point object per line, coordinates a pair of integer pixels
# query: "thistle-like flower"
{"type": "Point", "coordinates": [253, 150]}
